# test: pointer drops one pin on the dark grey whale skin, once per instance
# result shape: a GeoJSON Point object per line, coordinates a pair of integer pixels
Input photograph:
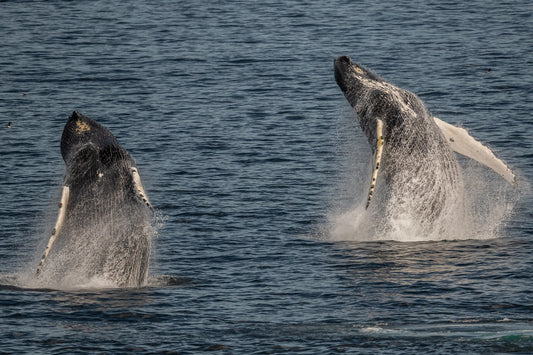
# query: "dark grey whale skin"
{"type": "Point", "coordinates": [106, 231]}
{"type": "Point", "coordinates": [419, 170]}
{"type": "Point", "coordinates": [89, 149]}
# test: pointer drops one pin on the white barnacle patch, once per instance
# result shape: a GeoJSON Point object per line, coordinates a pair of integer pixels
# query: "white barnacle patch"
{"type": "Point", "coordinates": [82, 127]}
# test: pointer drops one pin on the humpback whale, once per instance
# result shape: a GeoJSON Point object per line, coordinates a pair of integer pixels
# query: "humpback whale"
{"type": "Point", "coordinates": [415, 175]}
{"type": "Point", "coordinates": [103, 226]}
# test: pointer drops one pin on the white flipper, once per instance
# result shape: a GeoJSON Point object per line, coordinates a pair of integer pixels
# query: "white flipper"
{"type": "Point", "coordinates": [59, 224]}
{"type": "Point", "coordinates": [377, 160]}
{"type": "Point", "coordinates": [139, 190]}
{"type": "Point", "coordinates": [463, 143]}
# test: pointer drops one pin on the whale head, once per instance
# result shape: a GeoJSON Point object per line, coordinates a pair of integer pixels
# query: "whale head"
{"type": "Point", "coordinates": [374, 99]}
{"type": "Point", "coordinates": [351, 78]}
{"type": "Point", "coordinates": [90, 150]}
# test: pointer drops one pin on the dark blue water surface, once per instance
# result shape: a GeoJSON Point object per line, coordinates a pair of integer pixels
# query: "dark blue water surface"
{"type": "Point", "coordinates": [247, 148]}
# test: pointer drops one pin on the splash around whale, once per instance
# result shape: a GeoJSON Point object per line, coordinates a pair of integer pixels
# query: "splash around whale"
{"type": "Point", "coordinates": [417, 186]}
{"type": "Point", "coordinates": [102, 236]}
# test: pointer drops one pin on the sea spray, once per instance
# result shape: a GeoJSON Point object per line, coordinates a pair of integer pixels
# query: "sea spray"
{"type": "Point", "coordinates": [488, 202]}
{"type": "Point", "coordinates": [108, 239]}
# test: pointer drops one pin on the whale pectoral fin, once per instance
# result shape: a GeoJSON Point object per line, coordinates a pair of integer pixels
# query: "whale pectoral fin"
{"type": "Point", "coordinates": [378, 153]}
{"type": "Point", "coordinates": [57, 228]}
{"type": "Point", "coordinates": [139, 189]}
{"type": "Point", "coordinates": [463, 143]}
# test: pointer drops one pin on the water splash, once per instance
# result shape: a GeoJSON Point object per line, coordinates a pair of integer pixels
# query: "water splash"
{"type": "Point", "coordinates": [485, 202]}
{"type": "Point", "coordinates": [72, 265]}
{"type": "Point", "coordinates": [105, 243]}
{"type": "Point", "coordinates": [26, 281]}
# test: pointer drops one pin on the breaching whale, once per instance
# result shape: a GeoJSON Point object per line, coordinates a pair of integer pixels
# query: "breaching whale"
{"type": "Point", "coordinates": [414, 166]}
{"type": "Point", "coordinates": [103, 226]}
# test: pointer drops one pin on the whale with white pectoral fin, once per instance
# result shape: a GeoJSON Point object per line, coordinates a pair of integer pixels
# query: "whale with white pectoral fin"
{"type": "Point", "coordinates": [103, 229]}
{"type": "Point", "coordinates": [415, 171]}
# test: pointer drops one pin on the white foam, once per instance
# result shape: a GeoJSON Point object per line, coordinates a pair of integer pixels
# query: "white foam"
{"type": "Point", "coordinates": [486, 201]}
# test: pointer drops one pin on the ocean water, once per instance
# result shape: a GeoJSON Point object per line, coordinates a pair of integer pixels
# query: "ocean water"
{"type": "Point", "coordinates": [256, 166]}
